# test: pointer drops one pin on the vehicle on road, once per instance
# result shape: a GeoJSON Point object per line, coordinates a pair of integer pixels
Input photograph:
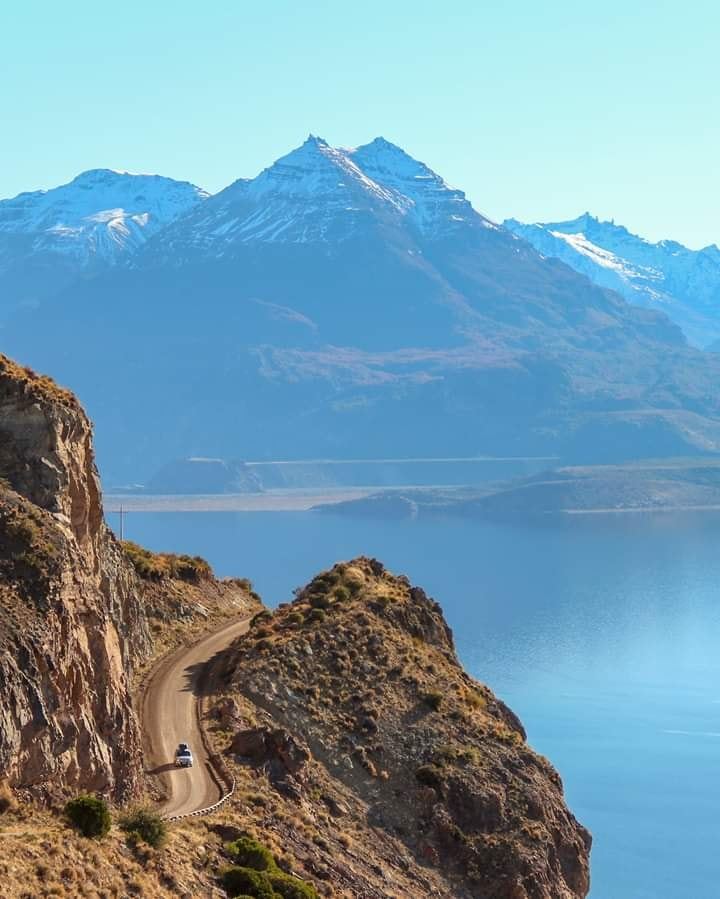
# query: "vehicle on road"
{"type": "Point", "coordinates": [183, 756]}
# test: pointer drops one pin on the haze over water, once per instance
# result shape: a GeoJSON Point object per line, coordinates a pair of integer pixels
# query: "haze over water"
{"type": "Point", "coordinates": [602, 633]}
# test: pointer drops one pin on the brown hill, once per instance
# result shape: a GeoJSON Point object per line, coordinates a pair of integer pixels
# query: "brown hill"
{"type": "Point", "coordinates": [352, 723]}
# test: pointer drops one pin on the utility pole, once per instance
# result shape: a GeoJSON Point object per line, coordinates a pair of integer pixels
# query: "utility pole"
{"type": "Point", "coordinates": [122, 523]}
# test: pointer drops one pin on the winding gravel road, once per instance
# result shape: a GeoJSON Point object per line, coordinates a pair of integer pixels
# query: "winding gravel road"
{"type": "Point", "coordinates": [170, 716]}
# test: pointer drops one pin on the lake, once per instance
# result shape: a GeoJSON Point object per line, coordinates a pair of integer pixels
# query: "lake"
{"type": "Point", "coordinates": [602, 633]}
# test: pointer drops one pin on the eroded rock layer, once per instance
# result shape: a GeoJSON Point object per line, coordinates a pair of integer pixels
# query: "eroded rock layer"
{"type": "Point", "coordinates": [353, 693]}
{"type": "Point", "coordinates": [72, 628]}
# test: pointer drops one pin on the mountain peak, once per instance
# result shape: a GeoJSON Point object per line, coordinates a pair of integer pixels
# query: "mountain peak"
{"type": "Point", "coordinates": [436, 207]}
{"type": "Point", "coordinates": [98, 216]}
{"type": "Point", "coordinates": [664, 275]}
{"type": "Point", "coordinates": [99, 176]}
{"type": "Point", "coordinates": [315, 141]}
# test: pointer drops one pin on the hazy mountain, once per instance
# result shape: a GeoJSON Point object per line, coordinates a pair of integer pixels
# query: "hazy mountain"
{"type": "Point", "coordinates": [683, 283]}
{"type": "Point", "coordinates": [49, 237]}
{"type": "Point", "coordinates": [350, 303]}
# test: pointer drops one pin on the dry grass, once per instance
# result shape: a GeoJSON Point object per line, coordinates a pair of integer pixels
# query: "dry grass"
{"type": "Point", "coordinates": [39, 386]}
{"type": "Point", "coordinates": [41, 857]}
{"type": "Point", "coordinates": [162, 566]}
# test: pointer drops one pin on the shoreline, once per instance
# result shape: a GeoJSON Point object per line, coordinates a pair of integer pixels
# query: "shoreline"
{"type": "Point", "coordinates": [300, 500]}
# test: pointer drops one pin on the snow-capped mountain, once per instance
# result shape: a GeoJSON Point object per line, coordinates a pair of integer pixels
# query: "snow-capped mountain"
{"type": "Point", "coordinates": [345, 302]}
{"type": "Point", "coordinates": [682, 282]}
{"type": "Point", "coordinates": [322, 194]}
{"type": "Point", "coordinates": [433, 207]}
{"type": "Point", "coordinates": [98, 218]}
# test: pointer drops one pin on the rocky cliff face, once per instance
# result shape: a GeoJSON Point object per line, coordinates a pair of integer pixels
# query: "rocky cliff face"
{"type": "Point", "coordinates": [362, 748]}
{"type": "Point", "coordinates": [72, 628]}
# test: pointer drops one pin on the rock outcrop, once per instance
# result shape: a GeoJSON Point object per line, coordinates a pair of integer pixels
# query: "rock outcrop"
{"type": "Point", "coordinates": [393, 751]}
{"type": "Point", "coordinates": [73, 627]}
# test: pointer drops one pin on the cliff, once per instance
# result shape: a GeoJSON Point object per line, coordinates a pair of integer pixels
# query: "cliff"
{"type": "Point", "coordinates": [361, 746]}
{"type": "Point", "coordinates": [73, 627]}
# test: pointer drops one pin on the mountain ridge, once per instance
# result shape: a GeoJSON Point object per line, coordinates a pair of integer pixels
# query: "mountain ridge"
{"type": "Point", "coordinates": [344, 315]}
{"type": "Point", "coordinates": [664, 275]}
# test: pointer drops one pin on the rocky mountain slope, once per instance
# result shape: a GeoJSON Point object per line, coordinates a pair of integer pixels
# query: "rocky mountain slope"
{"type": "Point", "coordinates": [367, 763]}
{"type": "Point", "coordinates": [77, 621]}
{"type": "Point", "coordinates": [666, 275]}
{"type": "Point", "coordinates": [73, 627]}
{"type": "Point", "coordinates": [361, 746]}
{"type": "Point", "coordinates": [349, 303]}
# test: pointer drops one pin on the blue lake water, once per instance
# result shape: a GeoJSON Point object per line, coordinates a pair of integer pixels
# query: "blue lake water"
{"type": "Point", "coordinates": [603, 634]}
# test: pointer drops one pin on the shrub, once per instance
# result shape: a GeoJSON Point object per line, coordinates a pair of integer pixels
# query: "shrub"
{"type": "Point", "coordinates": [292, 888]}
{"type": "Point", "coordinates": [262, 617]}
{"type": "Point", "coordinates": [342, 594]}
{"type": "Point", "coordinates": [315, 615]}
{"type": "Point", "coordinates": [158, 566]}
{"type": "Point", "coordinates": [90, 815]}
{"type": "Point", "coordinates": [248, 853]}
{"type": "Point", "coordinates": [146, 824]}
{"type": "Point", "coordinates": [319, 601]}
{"type": "Point", "coordinates": [429, 776]}
{"type": "Point", "coordinates": [246, 882]}
{"type": "Point", "coordinates": [294, 618]}
{"type": "Point", "coordinates": [7, 800]}
{"type": "Point", "coordinates": [433, 700]}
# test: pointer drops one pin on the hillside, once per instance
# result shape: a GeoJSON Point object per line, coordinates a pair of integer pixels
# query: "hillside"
{"type": "Point", "coordinates": [50, 238]}
{"type": "Point", "coordinates": [366, 762]}
{"type": "Point", "coordinates": [78, 623]}
{"type": "Point", "coordinates": [350, 304]}
{"type": "Point", "coordinates": [360, 744]}
{"type": "Point", "coordinates": [666, 276]}
{"type": "Point", "coordinates": [673, 485]}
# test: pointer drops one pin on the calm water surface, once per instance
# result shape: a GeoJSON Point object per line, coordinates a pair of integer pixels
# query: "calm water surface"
{"type": "Point", "coordinates": [602, 634]}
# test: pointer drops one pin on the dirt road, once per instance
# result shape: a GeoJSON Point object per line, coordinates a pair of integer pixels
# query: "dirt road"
{"type": "Point", "coordinates": [169, 717]}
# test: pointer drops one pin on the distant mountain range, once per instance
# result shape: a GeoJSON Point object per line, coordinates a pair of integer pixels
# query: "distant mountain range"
{"type": "Point", "coordinates": [683, 283]}
{"type": "Point", "coordinates": [343, 303]}
{"type": "Point", "coordinates": [50, 237]}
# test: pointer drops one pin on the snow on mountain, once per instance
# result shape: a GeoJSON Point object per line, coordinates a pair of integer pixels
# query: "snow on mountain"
{"type": "Point", "coordinates": [100, 216]}
{"type": "Point", "coordinates": [322, 194]}
{"type": "Point", "coordinates": [682, 282]}
{"type": "Point", "coordinates": [434, 207]}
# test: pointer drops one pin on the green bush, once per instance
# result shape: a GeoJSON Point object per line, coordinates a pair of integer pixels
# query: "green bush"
{"type": "Point", "coordinates": [246, 882]}
{"type": "Point", "coordinates": [146, 824]}
{"type": "Point", "coordinates": [158, 566]}
{"type": "Point", "coordinates": [320, 601]}
{"type": "Point", "coordinates": [294, 618]}
{"type": "Point", "coordinates": [248, 853]}
{"type": "Point", "coordinates": [315, 615]}
{"type": "Point", "coordinates": [429, 776]}
{"type": "Point", "coordinates": [342, 594]}
{"type": "Point", "coordinates": [433, 700]}
{"type": "Point", "coordinates": [255, 874]}
{"type": "Point", "coordinates": [291, 888]}
{"type": "Point", "coordinates": [90, 815]}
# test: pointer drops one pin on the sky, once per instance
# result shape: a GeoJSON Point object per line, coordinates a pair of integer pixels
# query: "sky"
{"type": "Point", "coordinates": [539, 111]}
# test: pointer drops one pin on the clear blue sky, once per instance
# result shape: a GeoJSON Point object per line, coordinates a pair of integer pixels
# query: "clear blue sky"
{"type": "Point", "coordinates": [539, 110]}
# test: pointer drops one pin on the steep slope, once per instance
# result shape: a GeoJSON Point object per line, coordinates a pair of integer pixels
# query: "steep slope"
{"type": "Point", "coordinates": [683, 283]}
{"type": "Point", "coordinates": [81, 613]}
{"type": "Point", "coordinates": [351, 700]}
{"type": "Point", "coordinates": [73, 628]}
{"type": "Point", "coordinates": [432, 206]}
{"type": "Point", "coordinates": [99, 219]}
{"type": "Point", "coordinates": [349, 302]}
